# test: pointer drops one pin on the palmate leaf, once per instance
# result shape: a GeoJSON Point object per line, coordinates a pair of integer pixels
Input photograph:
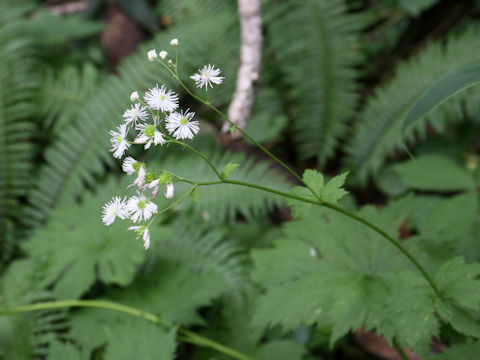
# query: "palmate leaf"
{"type": "Point", "coordinates": [331, 269]}
{"type": "Point", "coordinates": [78, 248]}
{"type": "Point", "coordinates": [313, 43]}
{"type": "Point", "coordinates": [378, 131]}
{"type": "Point", "coordinates": [173, 292]}
{"type": "Point", "coordinates": [330, 192]}
{"type": "Point", "coordinates": [460, 352]}
{"type": "Point", "coordinates": [234, 329]}
{"type": "Point", "coordinates": [140, 340]}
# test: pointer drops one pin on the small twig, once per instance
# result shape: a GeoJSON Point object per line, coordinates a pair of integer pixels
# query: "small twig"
{"type": "Point", "coordinates": [250, 58]}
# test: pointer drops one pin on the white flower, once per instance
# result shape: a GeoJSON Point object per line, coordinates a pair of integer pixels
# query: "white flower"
{"type": "Point", "coordinates": [160, 99]}
{"type": "Point", "coordinates": [136, 112]}
{"type": "Point", "coordinates": [155, 185]}
{"type": "Point", "coordinates": [142, 232]}
{"type": "Point", "coordinates": [181, 126]}
{"type": "Point", "coordinates": [312, 252]}
{"type": "Point", "coordinates": [149, 134]}
{"type": "Point", "coordinates": [119, 142]}
{"type": "Point", "coordinates": [174, 42]}
{"type": "Point", "coordinates": [140, 180]}
{"type": "Point", "coordinates": [170, 191]}
{"type": "Point", "coordinates": [163, 54]}
{"type": "Point", "coordinates": [128, 165]}
{"type": "Point", "coordinates": [140, 208]}
{"type": "Point", "coordinates": [207, 76]}
{"type": "Point", "coordinates": [134, 96]}
{"type": "Point", "coordinates": [152, 55]}
{"type": "Point", "coordinates": [112, 209]}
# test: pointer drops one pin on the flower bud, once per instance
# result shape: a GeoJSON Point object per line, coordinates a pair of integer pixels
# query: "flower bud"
{"type": "Point", "coordinates": [163, 54]}
{"type": "Point", "coordinates": [152, 55]}
{"type": "Point", "coordinates": [134, 96]}
{"type": "Point", "coordinates": [174, 42]}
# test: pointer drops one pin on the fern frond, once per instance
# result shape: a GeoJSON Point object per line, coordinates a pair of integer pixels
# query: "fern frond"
{"type": "Point", "coordinates": [378, 131]}
{"type": "Point", "coordinates": [78, 157]}
{"type": "Point", "coordinates": [225, 201]}
{"type": "Point", "coordinates": [19, 82]}
{"type": "Point", "coordinates": [314, 44]}
{"type": "Point", "coordinates": [63, 94]}
{"type": "Point", "coordinates": [202, 249]}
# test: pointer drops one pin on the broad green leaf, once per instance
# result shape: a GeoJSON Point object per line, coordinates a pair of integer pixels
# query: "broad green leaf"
{"type": "Point", "coordinates": [172, 292]}
{"type": "Point", "coordinates": [330, 192]}
{"type": "Point", "coordinates": [347, 276]}
{"type": "Point", "coordinates": [79, 249]}
{"type": "Point", "coordinates": [140, 339]}
{"type": "Point", "coordinates": [460, 352]}
{"type": "Point", "coordinates": [228, 170]}
{"type": "Point", "coordinates": [435, 173]}
{"type": "Point", "coordinates": [461, 320]}
{"type": "Point", "coordinates": [446, 223]}
{"type": "Point", "coordinates": [415, 7]}
{"type": "Point", "coordinates": [443, 89]}
{"type": "Point", "coordinates": [459, 282]}
{"type": "Point", "coordinates": [279, 350]}
{"type": "Point", "coordinates": [62, 351]}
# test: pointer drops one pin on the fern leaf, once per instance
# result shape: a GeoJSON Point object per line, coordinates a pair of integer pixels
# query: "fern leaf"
{"type": "Point", "coordinates": [314, 43]}
{"type": "Point", "coordinates": [20, 80]}
{"type": "Point", "coordinates": [224, 202]}
{"type": "Point", "coordinates": [378, 131]}
{"type": "Point", "coordinates": [203, 249]}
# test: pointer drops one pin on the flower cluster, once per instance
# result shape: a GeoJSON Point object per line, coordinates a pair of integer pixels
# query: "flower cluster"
{"type": "Point", "coordinates": [157, 120]}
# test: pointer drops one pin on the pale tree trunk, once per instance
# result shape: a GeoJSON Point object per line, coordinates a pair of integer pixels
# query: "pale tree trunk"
{"type": "Point", "coordinates": [250, 60]}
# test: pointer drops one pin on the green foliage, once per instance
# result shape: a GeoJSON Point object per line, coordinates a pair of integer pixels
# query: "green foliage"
{"type": "Point", "coordinates": [224, 202]}
{"type": "Point", "coordinates": [228, 170]}
{"type": "Point", "coordinates": [195, 244]}
{"type": "Point", "coordinates": [415, 7]}
{"type": "Point", "coordinates": [331, 192]}
{"type": "Point", "coordinates": [173, 292]}
{"type": "Point", "coordinates": [314, 47]}
{"type": "Point", "coordinates": [460, 352]}
{"type": "Point", "coordinates": [149, 342]}
{"type": "Point", "coordinates": [53, 29]}
{"type": "Point", "coordinates": [79, 155]}
{"type": "Point", "coordinates": [65, 92]}
{"type": "Point", "coordinates": [20, 81]}
{"type": "Point", "coordinates": [377, 133]}
{"type": "Point", "coordinates": [434, 173]}
{"type": "Point", "coordinates": [78, 248]}
{"type": "Point", "coordinates": [348, 276]}
{"type": "Point", "coordinates": [234, 327]}
{"type": "Point", "coordinates": [442, 89]}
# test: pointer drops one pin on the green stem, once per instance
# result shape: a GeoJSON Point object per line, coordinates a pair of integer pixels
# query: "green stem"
{"type": "Point", "coordinates": [225, 117]}
{"type": "Point", "coordinates": [340, 210]}
{"type": "Point", "coordinates": [204, 158]}
{"type": "Point", "coordinates": [316, 202]}
{"type": "Point", "coordinates": [400, 350]}
{"type": "Point", "coordinates": [172, 205]}
{"type": "Point", "coordinates": [186, 335]}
